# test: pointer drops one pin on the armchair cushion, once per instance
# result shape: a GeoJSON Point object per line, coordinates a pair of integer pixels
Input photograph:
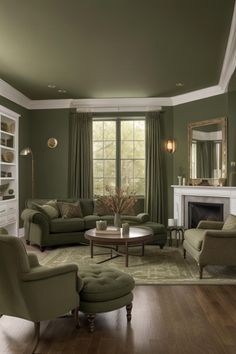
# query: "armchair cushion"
{"type": "Point", "coordinates": [230, 223]}
{"type": "Point", "coordinates": [195, 237]}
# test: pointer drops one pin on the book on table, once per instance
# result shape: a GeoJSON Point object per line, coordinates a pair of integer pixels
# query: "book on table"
{"type": "Point", "coordinates": [109, 231]}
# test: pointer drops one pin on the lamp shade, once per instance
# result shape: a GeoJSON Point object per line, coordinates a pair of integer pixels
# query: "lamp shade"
{"type": "Point", "coordinates": [170, 146]}
{"type": "Point", "coordinates": [26, 151]}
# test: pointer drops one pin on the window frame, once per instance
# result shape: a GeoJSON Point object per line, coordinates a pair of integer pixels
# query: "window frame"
{"type": "Point", "coordinates": [118, 141]}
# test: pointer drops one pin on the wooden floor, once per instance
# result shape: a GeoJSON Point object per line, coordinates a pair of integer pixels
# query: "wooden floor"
{"type": "Point", "coordinates": [166, 320]}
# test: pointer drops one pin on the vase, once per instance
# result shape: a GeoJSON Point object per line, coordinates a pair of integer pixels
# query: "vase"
{"type": "Point", "coordinates": [117, 220]}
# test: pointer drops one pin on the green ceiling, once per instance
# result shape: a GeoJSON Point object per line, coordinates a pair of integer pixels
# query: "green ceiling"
{"type": "Point", "coordinates": [112, 48]}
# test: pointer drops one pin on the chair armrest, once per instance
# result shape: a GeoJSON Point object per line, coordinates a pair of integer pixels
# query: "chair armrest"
{"type": "Point", "coordinates": [221, 233]}
{"type": "Point", "coordinates": [28, 214]}
{"type": "Point", "coordinates": [33, 260]}
{"type": "Point", "coordinates": [207, 224]}
{"type": "Point", "coordinates": [42, 272]}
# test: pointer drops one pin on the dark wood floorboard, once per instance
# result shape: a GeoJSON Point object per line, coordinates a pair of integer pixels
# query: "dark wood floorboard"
{"type": "Point", "coordinates": [166, 320]}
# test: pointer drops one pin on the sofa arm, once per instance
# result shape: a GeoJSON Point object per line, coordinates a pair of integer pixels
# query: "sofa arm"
{"type": "Point", "coordinates": [207, 224]}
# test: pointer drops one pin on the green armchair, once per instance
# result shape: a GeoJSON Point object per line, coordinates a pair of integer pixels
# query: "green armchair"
{"type": "Point", "coordinates": [34, 292]}
{"type": "Point", "coordinates": [212, 243]}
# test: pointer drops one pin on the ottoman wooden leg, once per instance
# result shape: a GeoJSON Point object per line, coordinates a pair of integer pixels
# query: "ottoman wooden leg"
{"type": "Point", "coordinates": [91, 319]}
{"type": "Point", "coordinates": [129, 309]}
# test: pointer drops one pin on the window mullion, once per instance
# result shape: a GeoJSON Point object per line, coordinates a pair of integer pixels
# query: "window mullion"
{"type": "Point", "coordinates": [118, 154]}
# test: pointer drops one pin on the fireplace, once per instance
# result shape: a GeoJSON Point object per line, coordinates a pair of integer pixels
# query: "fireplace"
{"type": "Point", "coordinates": [204, 211]}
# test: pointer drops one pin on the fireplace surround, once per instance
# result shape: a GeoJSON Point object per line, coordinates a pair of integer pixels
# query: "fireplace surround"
{"type": "Point", "coordinates": [183, 195]}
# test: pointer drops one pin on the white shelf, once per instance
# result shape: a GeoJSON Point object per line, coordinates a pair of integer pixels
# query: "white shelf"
{"type": "Point", "coordinates": [7, 133]}
{"type": "Point", "coordinates": [8, 163]}
{"type": "Point", "coordinates": [7, 147]}
{"type": "Point", "coordinates": [10, 219]}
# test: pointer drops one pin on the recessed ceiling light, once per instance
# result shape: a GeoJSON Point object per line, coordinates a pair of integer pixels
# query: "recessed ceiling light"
{"type": "Point", "coordinates": [179, 84]}
{"type": "Point", "coordinates": [52, 86]}
{"type": "Point", "coordinates": [61, 91]}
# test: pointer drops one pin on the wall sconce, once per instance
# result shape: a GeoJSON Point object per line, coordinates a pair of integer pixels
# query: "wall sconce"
{"type": "Point", "coordinates": [170, 146]}
{"type": "Point", "coordinates": [25, 152]}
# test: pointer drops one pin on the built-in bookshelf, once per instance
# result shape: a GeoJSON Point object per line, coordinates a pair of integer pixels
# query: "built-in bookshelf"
{"type": "Point", "coordinates": [9, 210]}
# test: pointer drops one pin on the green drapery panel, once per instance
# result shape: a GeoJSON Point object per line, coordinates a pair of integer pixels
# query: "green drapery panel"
{"type": "Point", "coordinates": [80, 156]}
{"type": "Point", "coordinates": [154, 172]}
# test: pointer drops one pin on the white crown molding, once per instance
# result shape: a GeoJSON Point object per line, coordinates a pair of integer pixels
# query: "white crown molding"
{"type": "Point", "coordinates": [9, 112]}
{"type": "Point", "coordinates": [197, 95]}
{"type": "Point", "coordinates": [229, 63]}
{"type": "Point", "coordinates": [134, 104]}
{"type": "Point", "coordinates": [51, 104]}
{"type": "Point", "coordinates": [120, 104]}
{"type": "Point", "coordinates": [14, 95]}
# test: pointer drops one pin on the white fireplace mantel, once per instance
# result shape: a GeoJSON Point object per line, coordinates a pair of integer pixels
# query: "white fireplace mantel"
{"type": "Point", "coordinates": [180, 193]}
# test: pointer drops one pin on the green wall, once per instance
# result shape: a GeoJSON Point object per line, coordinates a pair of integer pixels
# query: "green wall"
{"type": "Point", "coordinates": [51, 165]}
{"type": "Point", "coordinates": [24, 140]}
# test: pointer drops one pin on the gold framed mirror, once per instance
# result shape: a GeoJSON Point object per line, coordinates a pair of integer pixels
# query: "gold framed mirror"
{"type": "Point", "coordinates": [207, 152]}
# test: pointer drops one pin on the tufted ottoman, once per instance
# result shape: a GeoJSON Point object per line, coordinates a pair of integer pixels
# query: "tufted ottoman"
{"type": "Point", "coordinates": [104, 290]}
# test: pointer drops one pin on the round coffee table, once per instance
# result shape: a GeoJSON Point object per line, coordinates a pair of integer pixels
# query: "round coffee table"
{"type": "Point", "coordinates": [136, 236]}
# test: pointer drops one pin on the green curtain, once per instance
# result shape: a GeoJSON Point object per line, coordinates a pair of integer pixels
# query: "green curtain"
{"type": "Point", "coordinates": [154, 172]}
{"type": "Point", "coordinates": [80, 156]}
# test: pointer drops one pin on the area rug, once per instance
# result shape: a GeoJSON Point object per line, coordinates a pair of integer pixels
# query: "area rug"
{"type": "Point", "coordinates": [166, 266]}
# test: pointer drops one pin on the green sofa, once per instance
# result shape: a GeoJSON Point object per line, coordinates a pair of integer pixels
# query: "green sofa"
{"type": "Point", "coordinates": [39, 229]}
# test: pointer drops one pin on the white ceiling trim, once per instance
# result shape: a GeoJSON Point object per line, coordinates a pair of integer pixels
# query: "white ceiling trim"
{"type": "Point", "coordinates": [134, 104]}
{"type": "Point", "coordinates": [120, 104]}
{"type": "Point", "coordinates": [197, 95]}
{"type": "Point", "coordinates": [14, 95]}
{"type": "Point", "coordinates": [229, 63]}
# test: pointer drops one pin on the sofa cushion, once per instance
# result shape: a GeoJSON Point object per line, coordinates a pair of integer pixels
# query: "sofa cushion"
{"type": "Point", "coordinates": [90, 221]}
{"type": "Point", "coordinates": [230, 223]}
{"type": "Point", "coordinates": [66, 225]}
{"type": "Point", "coordinates": [49, 209]}
{"type": "Point", "coordinates": [195, 237]}
{"type": "Point", "coordinates": [70, 210]}
{"type": "Point", "coordinates": [87, 206]}
{"type": "Point", "coordinates": [104, 284]}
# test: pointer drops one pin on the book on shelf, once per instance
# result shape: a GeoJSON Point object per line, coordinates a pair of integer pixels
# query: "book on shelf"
{"type": "Point", "coordinates": [109, 231]}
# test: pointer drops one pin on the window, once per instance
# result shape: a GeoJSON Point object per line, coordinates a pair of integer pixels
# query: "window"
{"type": "Point", "coordinates": [119, 155]}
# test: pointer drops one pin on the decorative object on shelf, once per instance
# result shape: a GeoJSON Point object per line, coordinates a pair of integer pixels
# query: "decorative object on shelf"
{"type": "Point", "coordinates": [10, 191]}
{"type": "Point", "coordinates": [4, 126]}
{"type": "Point", "coordinates": [118, 201]}
{"type": "Point", "coordinates": [3, 188]}
{"type": "Point", "coordinates": [11, 128]}
{"type": "Point", "coordinates": [52, 143]}
{"type": "Point", "coordinates": [179, 180]}
{"type": "Point", "coordinates": [184, 181]}
{"type": "Point", "coordinates": [171, 146]}
{"type": "Point", "coordinates": [204, 182]}
{"type": "Point", "coordinates": [232, 175]}
{"type": "Point", "coordinates": [25, 152]}
{"type": "Point", "coordinates": [7, 156]}
{"type": "Point", "coordinates": [6, 197]}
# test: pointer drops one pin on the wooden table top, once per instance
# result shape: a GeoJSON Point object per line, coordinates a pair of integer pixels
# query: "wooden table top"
{"type": "Point", "coordinates": [135, 235]}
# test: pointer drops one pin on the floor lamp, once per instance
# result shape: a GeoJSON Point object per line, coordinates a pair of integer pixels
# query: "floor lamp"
{"type": "Point", "coordinates": [25, 152]}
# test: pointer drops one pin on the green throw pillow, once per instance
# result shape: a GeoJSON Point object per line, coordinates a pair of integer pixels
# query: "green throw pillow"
{"type": "Point", "coordinates": [49, 209]}
{"type": "Point", "coordinates": [70, 210]}
{"type": "Point", "coordinates": [230, 223]}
